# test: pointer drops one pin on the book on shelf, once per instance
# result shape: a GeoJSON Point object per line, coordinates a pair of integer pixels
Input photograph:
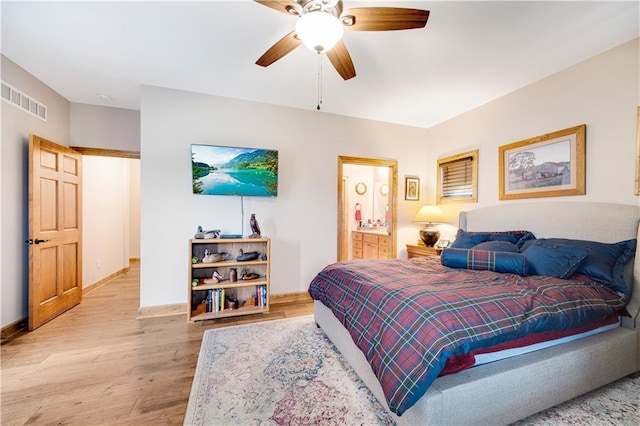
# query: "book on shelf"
{"type": "Point", "coordinates": [215, 300]}
{"type": "Point", "coordinates": [261, 296]}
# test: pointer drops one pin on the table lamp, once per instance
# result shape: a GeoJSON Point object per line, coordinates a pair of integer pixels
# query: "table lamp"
{"type": "Point", "coordinates": [429, 215]}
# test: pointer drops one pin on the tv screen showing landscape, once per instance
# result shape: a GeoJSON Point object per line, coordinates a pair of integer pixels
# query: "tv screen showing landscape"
{"type": "Point", "coordinates": [225, 170]}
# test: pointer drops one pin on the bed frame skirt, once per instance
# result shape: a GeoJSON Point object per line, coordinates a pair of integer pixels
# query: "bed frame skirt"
{"type": "Point", "coordinates": [503, 391]}
{"type": "Point", "coordinates": [510, 389]}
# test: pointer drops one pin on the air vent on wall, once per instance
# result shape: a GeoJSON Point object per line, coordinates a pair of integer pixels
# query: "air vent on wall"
{"type": "Point", "coordinates": [25, 102]}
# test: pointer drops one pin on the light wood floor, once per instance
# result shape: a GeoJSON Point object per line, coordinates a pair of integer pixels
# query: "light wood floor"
{"type": "Point", "coordinates": [98, 365]}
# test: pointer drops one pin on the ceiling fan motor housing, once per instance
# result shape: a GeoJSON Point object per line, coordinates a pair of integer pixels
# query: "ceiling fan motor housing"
{"type": "Point", "coordinates": [332, 7]}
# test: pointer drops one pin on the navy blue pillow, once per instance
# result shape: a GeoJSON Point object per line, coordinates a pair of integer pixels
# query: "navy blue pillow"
{"type": "Point", "coordinates": [468, 240]}
{"type": "Point", "coordinates": [605, 263]}
{"type": "Point", "coordinates": [498, 261]}
{"type": "Point", "coordinates": [552, 259]}
{"type": "Point", "coordinates": [497, 246]}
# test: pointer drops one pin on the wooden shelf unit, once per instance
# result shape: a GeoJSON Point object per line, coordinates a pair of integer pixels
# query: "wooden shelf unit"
{"type": "Point", "coordinates": [241, 289]}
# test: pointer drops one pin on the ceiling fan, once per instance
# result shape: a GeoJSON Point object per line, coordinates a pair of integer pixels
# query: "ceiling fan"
{"type": "Point", "coordinates": [321, 24]}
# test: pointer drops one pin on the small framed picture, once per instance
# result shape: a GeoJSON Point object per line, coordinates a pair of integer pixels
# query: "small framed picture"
{"type": "Point", "coordinates": [412, 188]}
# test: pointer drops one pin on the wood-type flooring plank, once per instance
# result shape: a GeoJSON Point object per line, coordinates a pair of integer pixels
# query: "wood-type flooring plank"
{"type": "Point", "coordinates": [98, 365]}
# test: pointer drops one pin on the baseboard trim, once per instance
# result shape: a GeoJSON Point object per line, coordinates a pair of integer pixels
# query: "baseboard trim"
{"type": "Point", "coordinates": [12, 330]}
{"type": "Point", "coordinates": [88, 289]}
{"type": "Point", "coordinates": [290, 298]}
{"type": "Point", "coordinates": [181, 308]}
{"type": "Point", "coordinates": [161, 310]}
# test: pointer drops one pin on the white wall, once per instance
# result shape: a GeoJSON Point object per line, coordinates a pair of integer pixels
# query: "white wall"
{"type": "Point", "coordinates": [602, 92]}
{"type": "Point", "coordinates": [106, 217]}
{"type": "Point", "coordinates": [105, 127]}
{"type": "Point", "coordinates": [134, 209]}
{"type": "Point", "coordinates": [301, 220]}
{"type": "Point", "coordinates": [16, 127]}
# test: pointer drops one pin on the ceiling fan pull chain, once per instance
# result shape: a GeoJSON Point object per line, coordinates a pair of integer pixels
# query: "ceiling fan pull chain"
{"type": "Point", "coordinates": [319, 81]}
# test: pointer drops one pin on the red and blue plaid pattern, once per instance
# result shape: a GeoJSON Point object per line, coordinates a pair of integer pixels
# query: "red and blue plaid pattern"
{"type": "Point", "coordinates": [482, 260]}
{"type": "Point", "coordinates": [409, 316]}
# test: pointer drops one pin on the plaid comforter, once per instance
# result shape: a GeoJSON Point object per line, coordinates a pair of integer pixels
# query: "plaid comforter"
{"type": "Point", "coordinates": [409, 315]}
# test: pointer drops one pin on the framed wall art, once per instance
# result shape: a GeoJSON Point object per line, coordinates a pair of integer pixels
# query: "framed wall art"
{"type": "Point", "coordinates": [550, 165]}
{"type": "Point", "coordinates": [412, 188]}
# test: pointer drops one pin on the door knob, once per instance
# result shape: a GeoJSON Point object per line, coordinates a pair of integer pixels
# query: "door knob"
{"type": "Point", "coordinates": [37, 241]}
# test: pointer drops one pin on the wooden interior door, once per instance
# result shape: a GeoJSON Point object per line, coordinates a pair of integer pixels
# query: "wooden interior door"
{"type": "Point", "coordinates": [55, 224]}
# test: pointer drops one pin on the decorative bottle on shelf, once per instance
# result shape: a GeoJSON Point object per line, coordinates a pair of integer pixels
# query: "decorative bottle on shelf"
{"type": "Point", "coordinates": [233, 275]}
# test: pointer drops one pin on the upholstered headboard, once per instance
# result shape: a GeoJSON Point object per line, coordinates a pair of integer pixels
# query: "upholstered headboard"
{"type": "Point", "coordinates": [603, 222]}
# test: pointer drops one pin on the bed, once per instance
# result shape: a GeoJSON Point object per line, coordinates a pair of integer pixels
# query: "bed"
{"type": "Point", "coordinates": [510, 389]}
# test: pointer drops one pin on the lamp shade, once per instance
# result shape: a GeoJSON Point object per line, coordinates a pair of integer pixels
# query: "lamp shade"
{"type": "Point", "coordinates": [319, 30]}
{"type": "Point", "coordinates": [429, 214]}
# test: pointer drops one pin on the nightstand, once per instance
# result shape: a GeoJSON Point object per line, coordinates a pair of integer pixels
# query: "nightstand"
{"type": "Point", "coordinates": [421, 251]}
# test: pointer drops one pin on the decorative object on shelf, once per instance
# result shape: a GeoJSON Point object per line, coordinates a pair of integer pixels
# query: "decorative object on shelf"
{"type": "Point", "coordinates": [255, 228]}
{"type": "Point", "coordinates": [250, 255]}
{"type": "Point", "coordinates": [550, 165]}
{"type": "Point", "coordinates": [206, 235]}
{"type": "Point", "coordinates": [411, 188]}
{"type": "Point", "coordinates": [233, 275]}
{"type": "Point", "coordinates": [361, 188]}
{"type": "Point", "coordinates": [215, 278]}
{"type": "Point", "coordinates": [230, 236]}
{"type": "Point", "coordinates": [212, 257]}
{"type": "Point", "coordinates": [247, 276]}
{"type": "Point", "coordinates": [429, 215]}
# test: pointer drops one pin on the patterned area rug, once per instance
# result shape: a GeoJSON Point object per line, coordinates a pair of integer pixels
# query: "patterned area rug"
{"type": "Point", "coordinates": [287, 372]}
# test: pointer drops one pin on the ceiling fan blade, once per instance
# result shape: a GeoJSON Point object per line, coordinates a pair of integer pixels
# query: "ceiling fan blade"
{"type": "Point", "coordinates": [283, 46]}
{"type": "Point", "coordinates": [341, 60]}
{"type": "Point", "coordinates": [383, 19]}
{"type": "Point", "coordinates": [287, 7]}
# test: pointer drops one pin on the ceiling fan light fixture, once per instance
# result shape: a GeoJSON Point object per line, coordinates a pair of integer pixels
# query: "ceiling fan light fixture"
{"type": "Point", "coordinates": [319, 30]}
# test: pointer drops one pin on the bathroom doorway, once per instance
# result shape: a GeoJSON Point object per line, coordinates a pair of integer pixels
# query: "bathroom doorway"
{"type": "Point", "coordinates": [370, 188]}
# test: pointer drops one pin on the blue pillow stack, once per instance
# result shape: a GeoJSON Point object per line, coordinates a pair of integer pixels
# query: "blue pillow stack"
{"type": "Point", "coordinates": [519, 252]}
{"type": "Point", "coordinates": [604, 263]}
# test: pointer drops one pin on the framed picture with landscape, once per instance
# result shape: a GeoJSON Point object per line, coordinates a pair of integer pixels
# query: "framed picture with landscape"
{"type": "Point", "coordinates": [550, 165]}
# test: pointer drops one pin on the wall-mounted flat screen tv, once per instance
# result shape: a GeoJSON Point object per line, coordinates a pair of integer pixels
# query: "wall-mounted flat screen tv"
{"type": "Point", "coordinates": [225, 170]}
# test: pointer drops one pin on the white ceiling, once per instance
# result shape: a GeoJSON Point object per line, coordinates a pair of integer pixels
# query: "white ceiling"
{"type": "Point", "coordinates": [469, 53]}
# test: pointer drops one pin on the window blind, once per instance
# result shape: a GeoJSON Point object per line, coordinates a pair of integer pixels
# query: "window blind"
{"type": "Point", "coordinates": [457, 178]}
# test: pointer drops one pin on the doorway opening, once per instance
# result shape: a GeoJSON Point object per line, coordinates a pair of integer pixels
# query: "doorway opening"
{"type": "Point", "coordinates": [111, 209]}
{"type": "Point", "coordinates": [375, 196]}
